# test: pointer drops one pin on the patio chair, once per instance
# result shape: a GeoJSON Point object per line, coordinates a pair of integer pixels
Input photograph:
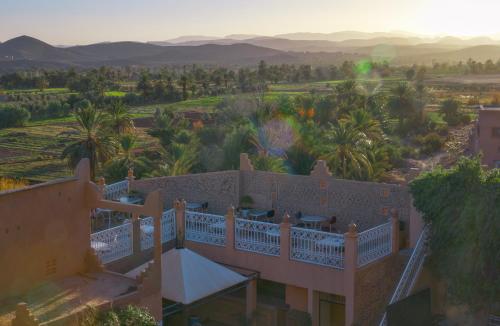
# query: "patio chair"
{"type": "Point", "coordinates": [204, 206]}
{"type": "Point", "coordinates": [329, 226]}
{"type": "Point", "coordinates": [270, 214]}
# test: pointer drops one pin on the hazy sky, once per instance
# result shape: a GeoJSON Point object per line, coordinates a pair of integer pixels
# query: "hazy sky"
{"type": "Point", "coordinates": [87, 21]}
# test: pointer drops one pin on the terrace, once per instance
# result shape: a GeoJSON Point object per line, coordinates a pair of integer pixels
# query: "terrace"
{"type": "Point", "coordinates": [280, 247]}
{"type": "Point", "coordinates": [341, 273]}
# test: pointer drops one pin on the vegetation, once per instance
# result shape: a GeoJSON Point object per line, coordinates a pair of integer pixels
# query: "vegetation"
{"type": "Point", "coordinates": [462, 205]}
{"type": "Point", "coordinates": [128, 316]}
{"type": "Point", "coordinates": [11, 184]}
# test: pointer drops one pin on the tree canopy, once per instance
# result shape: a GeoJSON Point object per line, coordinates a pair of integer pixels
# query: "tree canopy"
{"type": "Point", "coordinates": [462, 205]}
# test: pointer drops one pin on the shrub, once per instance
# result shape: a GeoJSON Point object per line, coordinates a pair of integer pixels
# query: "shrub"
{"type": "Point", "coordinates": [430, 143]}
{"type": "Point", "coordinates": [13, 116]}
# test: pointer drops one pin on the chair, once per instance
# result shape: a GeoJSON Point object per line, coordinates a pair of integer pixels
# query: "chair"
{"type": "Point", "coordinates": [328, 226]}
{"type": "Point", "coordinates": [270, 214]}
{"type": "Point", "coordinates": [204, 206]}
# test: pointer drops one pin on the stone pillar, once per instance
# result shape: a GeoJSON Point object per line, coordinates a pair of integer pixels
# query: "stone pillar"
{"type": "Point", "coordinates": [24, 317]}
{"type": "Point", "coordinates": [285, 237]}
{"type": "Point", "coordinates": [350, 267]}
{"type": "Point", "coordinates": [180, 213]}
{"type": "Point", "coordinates": [230, 229]}
{"type": "Point", "coordinates": [245, 163]}
{"type": "Point", "coordinates": [251, 301]}
{"type": "Point", "coordinates": [136, 234]}
{"type": "Point", "coordinates": [313, 306]}
{"type": "Point", "coordinates": [395, 230]}
{"type": "Point", "coordinates": [130, 178]}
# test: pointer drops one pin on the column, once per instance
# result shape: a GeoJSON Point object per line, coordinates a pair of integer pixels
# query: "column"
{"type": "Point", "coordinates": [285, 237]}
{"type": "Point", "coordinates": [130, 178]}
{"type": "Point", "coordinates": [180, 213]}
{"type": "Point", "coordinates": [136, 234]}
{"type": "Point", "coordinates": [251, 301]}
{"type": "Point", "coordinates": [350, 266]}
{"type": "Point", "coordinates": [230, 230]}
{"type": "Point", "coordinates": [313, 306]}
{"type": "Point", "coordinates": [395, 230]}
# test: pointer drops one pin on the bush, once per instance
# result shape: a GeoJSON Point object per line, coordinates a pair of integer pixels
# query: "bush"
{"type": "Point", "coordinates": [14, 116]}
{"type": "Point", "coordinates": [430, 143]}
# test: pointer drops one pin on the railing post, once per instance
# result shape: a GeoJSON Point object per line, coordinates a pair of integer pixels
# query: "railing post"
{"type": "Point", "coordinates": [395, 230]}
{"type": "Point", "coordinates": [180, 217]}
{"type": "Point", "coordinates": [136, 235]}
{"type": "Point", "coordinates": [350, 267]}
{"type": "Point", "coordinates": [285, 237]}
{"type": "Point", "coordinates": [130, 178]}
{"type": "Point", "coordinates": [101, 184]}
{"type": "Point", "coordinates": [230, 228]}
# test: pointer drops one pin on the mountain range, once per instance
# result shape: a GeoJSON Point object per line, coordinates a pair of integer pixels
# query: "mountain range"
{"type": "Point", "coordinates": [238, 50]}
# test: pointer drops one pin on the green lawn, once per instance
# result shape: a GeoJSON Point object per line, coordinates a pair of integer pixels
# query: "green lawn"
{"type": "Point", "coordinates": [115, 94]}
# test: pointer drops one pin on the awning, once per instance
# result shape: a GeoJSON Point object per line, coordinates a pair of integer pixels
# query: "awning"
{"type": "Point", "coordinates": [188, 277]}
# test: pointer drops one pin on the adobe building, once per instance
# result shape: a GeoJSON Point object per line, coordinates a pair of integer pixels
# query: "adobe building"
{"type": "Point", "coordinates": [487, 138]}
{"type": "Point", "coordinates": [53, 266]}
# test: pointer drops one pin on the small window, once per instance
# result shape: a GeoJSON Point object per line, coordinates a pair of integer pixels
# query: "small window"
{"type": "Point", "coordinates": [495, 132]}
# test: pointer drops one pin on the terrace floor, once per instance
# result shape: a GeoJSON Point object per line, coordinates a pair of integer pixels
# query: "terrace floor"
{"type": "Point", "coordinates": [69, 295]}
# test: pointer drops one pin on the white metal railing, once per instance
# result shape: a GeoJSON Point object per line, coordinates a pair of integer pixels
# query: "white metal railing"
{"type": "Point", "coordinates": [168, 226]}
{"type": "Point", "coordinates": [113, 243]}
{"type": "Point", "coordinates": [317, 247]}
{"type": "Point", "coordinates": [374, 243]}
{"type": "Point", "coordinates": [116, 190]}
{"type": "Point", "coordinates": [259, 237]}
{"type": "Point", "coordinates": [410, 272]}
{"type": "Point", "coordinates": [205, 228]}
{"type": "Point", "coordinates": [167, 229]}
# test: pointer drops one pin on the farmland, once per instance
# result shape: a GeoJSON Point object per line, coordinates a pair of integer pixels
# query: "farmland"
{"type": "Point", "coordinates": [33, 152]}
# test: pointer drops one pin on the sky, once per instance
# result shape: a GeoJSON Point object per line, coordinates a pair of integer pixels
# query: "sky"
{"type": "Point", "coordinates": [90, 21]}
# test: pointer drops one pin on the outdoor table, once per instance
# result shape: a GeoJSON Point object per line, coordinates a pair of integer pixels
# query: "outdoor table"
{"type": "Point", "coordinates": [100, 246]}
{"type": "Point", "coordinates": [273, 233]}
{"type": "Point", "coordinates": [256, 214]}
{"type": "Point", "coordinates": [130, 200]}
{"type": "Point", "coordinates": [330, 242]}
{"type": "Point", "coordinates": [217, 227]}
{"type": "Point", "coordinates": [194, 206]}
{"type": "Point", "coordinates": [313, 221]}
{"type": "Point", "coordinates": [147, 229]}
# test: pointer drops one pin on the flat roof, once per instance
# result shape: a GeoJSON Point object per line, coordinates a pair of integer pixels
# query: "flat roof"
{"type": "Point", "coordinates": [489, 108]}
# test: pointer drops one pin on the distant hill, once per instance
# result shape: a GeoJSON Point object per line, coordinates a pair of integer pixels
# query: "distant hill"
{"type": "Point", "coordinates": [340, 36]}
{"type": "Point", "coordinates": [29, 48]}
{"type": "Point", "coordinates": [26, 52]}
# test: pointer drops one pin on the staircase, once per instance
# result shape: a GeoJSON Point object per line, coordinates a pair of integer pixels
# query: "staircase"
{"type": "Point", "coordinates": [411, 272]}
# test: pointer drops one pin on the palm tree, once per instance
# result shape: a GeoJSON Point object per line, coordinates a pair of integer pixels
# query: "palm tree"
{"type": "Point", "coordinates": [180, 159]}
{"type": "Point", "coordinates": [346, 152]}
{"type": "Point", "coordinates": [117, 118]}
{"type": "Point", "coordinates": [263, 162]}
{"type": "Point", "coordinates": [363, 122]}
{"type": "Point", "coordinates": [402, 102]}
{"type": "Point", "coordinates": [94, 143]}
{"type": "Point", "coordinates": [117, 168]}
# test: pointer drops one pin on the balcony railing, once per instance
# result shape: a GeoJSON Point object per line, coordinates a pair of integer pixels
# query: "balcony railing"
{"type": "Point", "coordinates": [374, 243]}
{"type": "Point", "coordinates": [206, 228]}
{"type": "Point", "coordinates": [259, 237]}
{"type": "Point", "coordinates": [113, 243]}
{"type": "Point", "coordinates": [167, 229]}
{"type": "Point", "coordinates": [411, 271]}
{"type": "Point", "coordinates": [116, 190]}
{"type": "Point", "coordinates": [316, 247]}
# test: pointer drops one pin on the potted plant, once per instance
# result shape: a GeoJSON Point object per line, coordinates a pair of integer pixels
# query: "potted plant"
{"type": "Point", "coordinates": [246, 203]}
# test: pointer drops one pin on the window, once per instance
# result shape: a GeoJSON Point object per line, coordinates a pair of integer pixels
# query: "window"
{"type": "Point", "coordinates": [495, 132]}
